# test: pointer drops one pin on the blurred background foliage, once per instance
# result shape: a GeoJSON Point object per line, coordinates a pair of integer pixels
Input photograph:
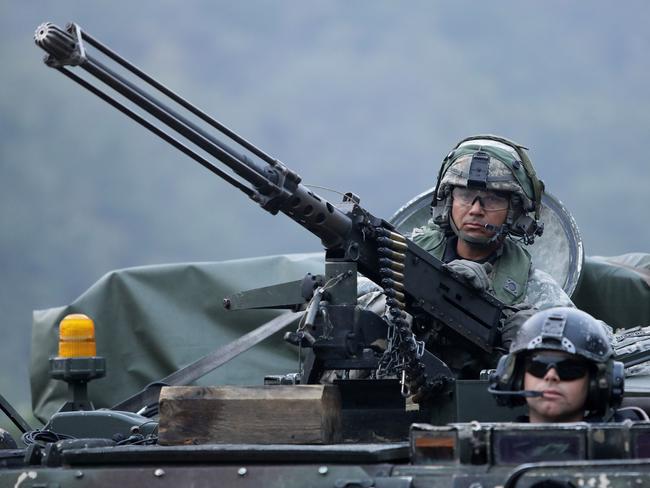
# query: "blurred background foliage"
{"type": "Point", "coordinates": [363, 96]}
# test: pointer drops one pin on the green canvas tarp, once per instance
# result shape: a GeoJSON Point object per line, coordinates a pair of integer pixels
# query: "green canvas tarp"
{"type": "Point", "coordinates": [616, 289]}
{"type": "Point", "coordinates": [153, 320]}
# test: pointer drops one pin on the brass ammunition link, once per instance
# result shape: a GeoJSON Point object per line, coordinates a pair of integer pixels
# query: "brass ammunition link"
{"type": "Point", "coordinates": [400, 257]}
{"type": "Point", "coordinates": [394, 265]}
{"type": "Point", "coordinates": [388, 283]}
{"type": "Point", "coordinates": [394, 275]}
{"type": "Point", "coordinates": [403, 355]}
{"type": "Point", "coordinates": [395, 245]}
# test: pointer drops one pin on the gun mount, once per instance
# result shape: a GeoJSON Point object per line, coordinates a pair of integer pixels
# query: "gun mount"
{"type": "Point", "coordinates": [354, 239]}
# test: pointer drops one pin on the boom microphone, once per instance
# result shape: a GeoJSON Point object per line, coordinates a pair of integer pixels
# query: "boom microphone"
{"type": "Point", "coordinates": [519, 393]}
{"type": "Point", "coordinates": [499, 231]}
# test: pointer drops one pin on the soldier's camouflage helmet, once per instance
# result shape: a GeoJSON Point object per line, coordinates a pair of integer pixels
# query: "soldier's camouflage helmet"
{"type": "Point", "coordinates": [492, 163]}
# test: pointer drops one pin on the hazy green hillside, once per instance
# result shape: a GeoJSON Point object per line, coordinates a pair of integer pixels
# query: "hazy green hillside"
{"type": "Point", "coordinates": [366, 96]}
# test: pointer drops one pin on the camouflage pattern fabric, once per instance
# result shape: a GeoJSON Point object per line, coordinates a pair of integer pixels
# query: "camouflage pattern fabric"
{"type": "Point", "coordinates": [633, 341]}
{"type": "Point", "coordinates": [508, 169]}
{"type": "Point", "coordinates": [500, 176]}
{"type": "Point", "coordinates": [544, 292]}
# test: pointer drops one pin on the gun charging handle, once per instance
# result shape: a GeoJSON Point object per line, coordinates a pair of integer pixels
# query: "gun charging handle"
{"type": "Point", "coordinates": [302, 337]}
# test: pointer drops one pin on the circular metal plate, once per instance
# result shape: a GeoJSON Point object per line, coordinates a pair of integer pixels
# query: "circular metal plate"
{"type": "Point", "coordinates": [559, 251]}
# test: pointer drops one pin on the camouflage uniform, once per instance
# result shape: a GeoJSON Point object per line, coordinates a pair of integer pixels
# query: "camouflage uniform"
{"type": "Point", "coordinates": [539, 290]}
{"type": "Point", "coordinates": [544, 292]}
{"type": "Point", "coordinates": [487, 163]}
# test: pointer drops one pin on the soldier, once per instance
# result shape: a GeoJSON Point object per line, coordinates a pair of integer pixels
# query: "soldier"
{"type": "Point", "coordinates": [485, 206]}
{"type": "Point", "coordinates": [561, 364]}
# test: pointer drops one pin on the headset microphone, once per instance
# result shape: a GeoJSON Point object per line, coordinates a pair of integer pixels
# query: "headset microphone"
{"type": "Point", "coordinates": [517, 393]}
{"type": "Point", "coordinates": [499, 231]}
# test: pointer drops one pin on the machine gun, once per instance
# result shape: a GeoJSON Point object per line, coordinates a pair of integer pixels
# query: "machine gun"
{"type": "Point", "coordinates": [340, 334]}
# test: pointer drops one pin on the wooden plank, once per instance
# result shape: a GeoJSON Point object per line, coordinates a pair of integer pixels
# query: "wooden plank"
{"type": "Point", "coordinates": [301, 414]}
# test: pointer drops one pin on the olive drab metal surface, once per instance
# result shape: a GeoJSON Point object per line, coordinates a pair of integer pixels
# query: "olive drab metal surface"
{"type": "Point", "coordinates": [464, 455]}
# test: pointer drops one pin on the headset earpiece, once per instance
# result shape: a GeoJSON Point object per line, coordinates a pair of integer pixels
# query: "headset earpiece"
{"type": "Point", "coordinates": [606, 387]}
{"type": "Point", "coordinates": [507, 377]}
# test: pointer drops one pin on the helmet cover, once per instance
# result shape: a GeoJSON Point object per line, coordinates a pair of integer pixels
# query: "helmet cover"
{"type": "Point", "coordinates": [505, 168]}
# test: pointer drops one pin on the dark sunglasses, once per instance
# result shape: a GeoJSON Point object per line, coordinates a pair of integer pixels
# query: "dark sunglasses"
{"type": "Point", "coordinates": [567, 368]}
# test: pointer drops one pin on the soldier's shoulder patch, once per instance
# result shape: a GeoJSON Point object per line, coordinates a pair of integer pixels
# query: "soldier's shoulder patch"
{"type": "Point", "coordinates": [511, 287]}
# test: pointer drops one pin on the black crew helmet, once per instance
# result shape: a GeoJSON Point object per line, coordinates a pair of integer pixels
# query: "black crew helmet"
{"type": "Point", "coordinates": [572, 331]}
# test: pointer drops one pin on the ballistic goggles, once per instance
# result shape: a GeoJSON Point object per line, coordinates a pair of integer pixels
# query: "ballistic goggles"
{"type": "Point", "coordinates": [490, 201]}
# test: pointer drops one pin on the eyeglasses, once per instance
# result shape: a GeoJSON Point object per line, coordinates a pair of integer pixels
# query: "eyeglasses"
{"type": "Point", "coordinates": [567, 368]}
{"type": "Point", "coordinates": [489, 200]}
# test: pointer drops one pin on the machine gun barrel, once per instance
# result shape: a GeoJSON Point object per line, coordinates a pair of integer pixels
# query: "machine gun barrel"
{"type": "Point", "coordinates": [266, 181]}
{"type": "Point", "coordinates": [347, 231]}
